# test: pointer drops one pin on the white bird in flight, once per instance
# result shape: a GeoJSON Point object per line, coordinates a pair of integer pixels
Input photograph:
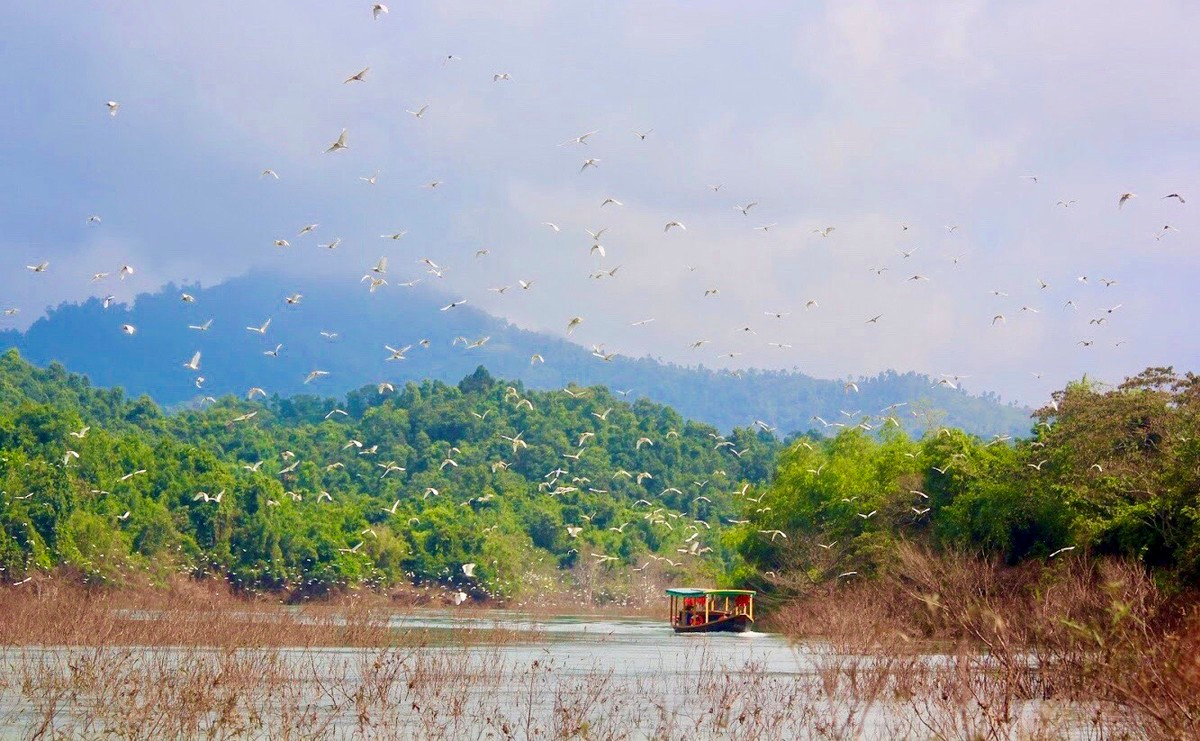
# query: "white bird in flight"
{"type": "Point", "coordinates": [339, 144]}
{"type": "Point", "coordinates": [581, 139]}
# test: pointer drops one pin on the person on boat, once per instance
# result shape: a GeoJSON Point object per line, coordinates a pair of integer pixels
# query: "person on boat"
{"type": "Point", "coordinates": [688, 614]}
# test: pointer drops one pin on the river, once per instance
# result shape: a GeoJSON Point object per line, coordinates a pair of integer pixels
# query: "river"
{"type": "Point", "coordinates": [553, 676]}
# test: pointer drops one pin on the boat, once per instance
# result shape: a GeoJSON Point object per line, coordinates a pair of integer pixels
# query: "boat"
{"type": "Point", "coordinates": [710, 610]}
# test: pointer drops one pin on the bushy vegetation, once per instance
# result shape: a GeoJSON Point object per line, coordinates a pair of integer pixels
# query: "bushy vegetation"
{"type": "Point", "coordinates": [1106, 471]}
{"type": "Point", "coordinates": [381, 487]}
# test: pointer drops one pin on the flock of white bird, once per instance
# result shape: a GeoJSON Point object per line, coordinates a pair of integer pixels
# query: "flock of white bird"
{"type": "Point", "coordinates": [376, 277]}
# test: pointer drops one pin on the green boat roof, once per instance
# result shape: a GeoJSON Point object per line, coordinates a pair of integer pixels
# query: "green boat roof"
{"type": "Point", "coordinates": [693, 592]}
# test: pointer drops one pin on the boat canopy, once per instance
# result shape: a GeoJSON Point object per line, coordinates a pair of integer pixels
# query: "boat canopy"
{"type": "Point", "coordinates": [686, 592]}
{"type": "Point", "coordinates": [693, 592]}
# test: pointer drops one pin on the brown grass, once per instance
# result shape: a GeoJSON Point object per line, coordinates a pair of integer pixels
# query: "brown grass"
{"type": "Point", "coordinates": [1091, 639]}
{"type": "Point", "coordinates": [203, 614]}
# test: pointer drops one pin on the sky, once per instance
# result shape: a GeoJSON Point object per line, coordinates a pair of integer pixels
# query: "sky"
{"type": "Point", "coordinates": [914, 127]}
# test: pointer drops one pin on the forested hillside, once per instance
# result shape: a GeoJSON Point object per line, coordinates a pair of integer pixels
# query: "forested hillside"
{"type": "Point", "coordinates": [482, 485]}
{"type": "Point", "coordinates": [476, 486]}
{"type": "Point", "coordinates": [1108, 471]}
{"type": "Point", "coordinates": [349, 343]}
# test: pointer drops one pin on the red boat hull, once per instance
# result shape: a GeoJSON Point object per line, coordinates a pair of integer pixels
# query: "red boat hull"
{"type": "Point", "coordinates": [731, 624]}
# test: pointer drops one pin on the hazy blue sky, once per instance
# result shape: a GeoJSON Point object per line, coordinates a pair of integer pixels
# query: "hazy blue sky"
{"type": "Point", "coordinates": [861, 115]}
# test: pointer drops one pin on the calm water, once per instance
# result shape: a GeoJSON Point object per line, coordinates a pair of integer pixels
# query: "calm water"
{"type": "Point", "coordinates": [626, 646]}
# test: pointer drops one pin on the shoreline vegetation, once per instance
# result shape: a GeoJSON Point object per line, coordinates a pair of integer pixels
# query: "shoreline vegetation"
{"type": "Point", "coordinates": [1095, 634]}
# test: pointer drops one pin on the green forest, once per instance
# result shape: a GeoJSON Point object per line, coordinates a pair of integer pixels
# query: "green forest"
{"type": "Point", "coordinates": [1105, 471]}
{"type": "Point", "coordinates": [388, 485]}
{"type": "Point", "coordinates": [484, 485]}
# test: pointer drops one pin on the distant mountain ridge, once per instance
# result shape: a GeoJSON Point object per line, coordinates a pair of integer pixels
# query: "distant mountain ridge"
{"type": "Point", "coordinates": [87, 338]}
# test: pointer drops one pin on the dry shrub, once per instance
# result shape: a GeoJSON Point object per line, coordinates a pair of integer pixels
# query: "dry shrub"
{"type": "Point", "coordinates": [1031, 651]}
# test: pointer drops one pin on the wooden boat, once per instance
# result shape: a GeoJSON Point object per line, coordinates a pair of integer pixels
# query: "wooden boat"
{"type": "Point", "coordinates": [710, 610]}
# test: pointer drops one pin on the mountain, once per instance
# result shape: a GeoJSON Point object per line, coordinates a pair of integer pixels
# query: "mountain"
{"type": "Point", "coordinates": [87, 338]}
